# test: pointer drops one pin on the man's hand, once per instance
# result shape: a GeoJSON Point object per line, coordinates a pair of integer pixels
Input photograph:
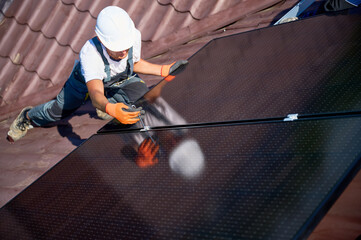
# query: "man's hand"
{"type": "Point", "coordinates": [171, 70]}
{"type": "Point", "coordinates": [147, 154]}
{"type": "Point", "coordinates": [123, 113]}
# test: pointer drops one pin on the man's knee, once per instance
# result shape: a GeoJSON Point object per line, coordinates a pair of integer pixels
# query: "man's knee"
{"type": "Point", "coordinates": [135, 90]}
{"type": "Point", "coordinates": [336, 5]}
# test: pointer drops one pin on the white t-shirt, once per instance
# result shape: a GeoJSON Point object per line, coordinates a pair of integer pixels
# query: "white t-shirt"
{"type": "Point", "coordinates": [92, 65]}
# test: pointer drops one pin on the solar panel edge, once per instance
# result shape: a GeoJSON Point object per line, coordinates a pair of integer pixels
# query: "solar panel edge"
{"type": "Point", "coordinates": [42, 175]}
{"type": "Point", "coordinates": [316, 116]}
{"type": "Point", "coordinates": [329, 200]}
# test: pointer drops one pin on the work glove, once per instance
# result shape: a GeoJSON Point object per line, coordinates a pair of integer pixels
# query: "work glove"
{"type": "Point", "coordinates": [147, 152]}
{"type": "Point", "coordinates": [124, 113]}
{"type": "Point", "coordinates": [169, 71]}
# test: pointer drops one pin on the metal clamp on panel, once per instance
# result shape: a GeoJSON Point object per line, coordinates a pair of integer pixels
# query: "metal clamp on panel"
{"type": "Point", "coordinates": [291, 117]}
{"type": "Point", "coordinates": [145, 129]}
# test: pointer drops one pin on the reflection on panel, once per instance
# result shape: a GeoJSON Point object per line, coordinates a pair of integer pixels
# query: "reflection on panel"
{"type": "Point", "coordinates": [157, 113]}
{"type": "Point", "coordinates": [260, 181]}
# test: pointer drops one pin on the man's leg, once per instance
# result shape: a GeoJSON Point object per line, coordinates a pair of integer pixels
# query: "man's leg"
{"type": "Point", "coordinates": [336, 5]}
{"type": "Point", "coordinates": [128, 92]}
{"type": "Point", "coordinates": [135, 89]}
{"type": "Point", "coordinates": [68, 100]}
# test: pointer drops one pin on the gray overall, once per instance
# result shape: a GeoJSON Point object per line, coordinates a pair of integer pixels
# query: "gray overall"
{"type": "Point", "coordinates": [125, 87]}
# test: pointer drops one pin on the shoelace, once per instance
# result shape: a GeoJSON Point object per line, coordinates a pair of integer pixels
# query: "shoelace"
{"type": "Point", "coordinates": [24, 123]}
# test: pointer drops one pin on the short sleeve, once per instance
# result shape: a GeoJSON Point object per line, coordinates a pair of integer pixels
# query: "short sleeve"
{"type": "Point", "coordinates": [92, 65]}
{"type": "Point", "coordinates": [137, 46]}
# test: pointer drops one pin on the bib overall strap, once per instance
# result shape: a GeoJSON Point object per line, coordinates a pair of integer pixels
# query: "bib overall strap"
{"type": "Point", "coordinates": [130, 61]}
{"type": "Point", "coordinates": [106, 63]}
{"type": "Point", "coordinates": [124, 75]}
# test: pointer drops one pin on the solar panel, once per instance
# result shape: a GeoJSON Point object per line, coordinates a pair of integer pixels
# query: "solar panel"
{"type": "Point", "coordinates": [311, 66]}
{"type": "Point", "coordinates": [306, 67]}
{"type": "Point", "coordinates": [257, 181]}
{"type": "Point", "coordinates": [222, 159]}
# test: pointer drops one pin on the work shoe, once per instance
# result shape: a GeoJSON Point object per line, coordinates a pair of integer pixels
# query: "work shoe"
{"type": "Point", "coordinates": [20, 126]}
{"type": "Point", "coordinates": [103, 115]}
{"type": "Point", "coordinates": [290, 19]}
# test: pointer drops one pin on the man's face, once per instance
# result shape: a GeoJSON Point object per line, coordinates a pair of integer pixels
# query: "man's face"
{"type": "Point", "coordinates": [117, 55]}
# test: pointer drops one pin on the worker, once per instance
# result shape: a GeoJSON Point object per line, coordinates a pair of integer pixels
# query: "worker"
{"type": "Point", "coordinates": [106, 71]}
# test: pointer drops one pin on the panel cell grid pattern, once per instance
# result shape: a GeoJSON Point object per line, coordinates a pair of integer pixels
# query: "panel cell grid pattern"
{"type": "Point", "coordinates": [266, 185]}
{"type": "Point", "coordinates": [308, 67]}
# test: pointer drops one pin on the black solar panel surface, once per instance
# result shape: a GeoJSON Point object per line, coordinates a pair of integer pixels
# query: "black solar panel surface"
{"type": "Point", "coordinates": [311, 66]}
{"type": "Point", "coordinates": [306, 67]}
{"type": "Point", "coordinates": [260, 181]}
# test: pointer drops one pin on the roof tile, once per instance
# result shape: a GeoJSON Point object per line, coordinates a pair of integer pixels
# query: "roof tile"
{"type": "Point", "coordinates": [20, 86]}
{"type": "Point", "coordinates": [202, 8]}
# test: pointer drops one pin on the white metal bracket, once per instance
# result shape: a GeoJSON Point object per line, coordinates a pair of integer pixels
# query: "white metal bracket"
{"type": "Point", "coordinates": [145, 129]}
{"type": "Point", "coordinates": [291, 117]}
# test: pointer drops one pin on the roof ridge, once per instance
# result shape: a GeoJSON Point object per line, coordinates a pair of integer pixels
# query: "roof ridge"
{"type": "Point", "coordinates": [78, 9]}
{"type": "Point", "coordinates": [172, 5]}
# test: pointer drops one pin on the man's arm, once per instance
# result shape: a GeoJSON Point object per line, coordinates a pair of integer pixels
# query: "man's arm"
{"type": "Point", "coordinates": [96, 94]}
{"type": "Point", "coordinates": [120, 111]}
{"type": "Point", "coordinates": [168, 71]}
{"type": "Point", "coordinates": [145, 67]}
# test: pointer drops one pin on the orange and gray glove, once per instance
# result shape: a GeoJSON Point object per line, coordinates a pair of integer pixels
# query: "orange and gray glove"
{"type": "Point", "coordinates": [124, 113]}
{"type": "Point", "coordinates": [169, 71]}
{"type": "Point", "coordinates": [147, 152]}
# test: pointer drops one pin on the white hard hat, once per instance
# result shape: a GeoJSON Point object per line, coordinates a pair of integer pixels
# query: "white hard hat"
{"type": "Point", "coordinates": [115, 29]}
{"type": "Point", "coordinates": [187, 159]}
